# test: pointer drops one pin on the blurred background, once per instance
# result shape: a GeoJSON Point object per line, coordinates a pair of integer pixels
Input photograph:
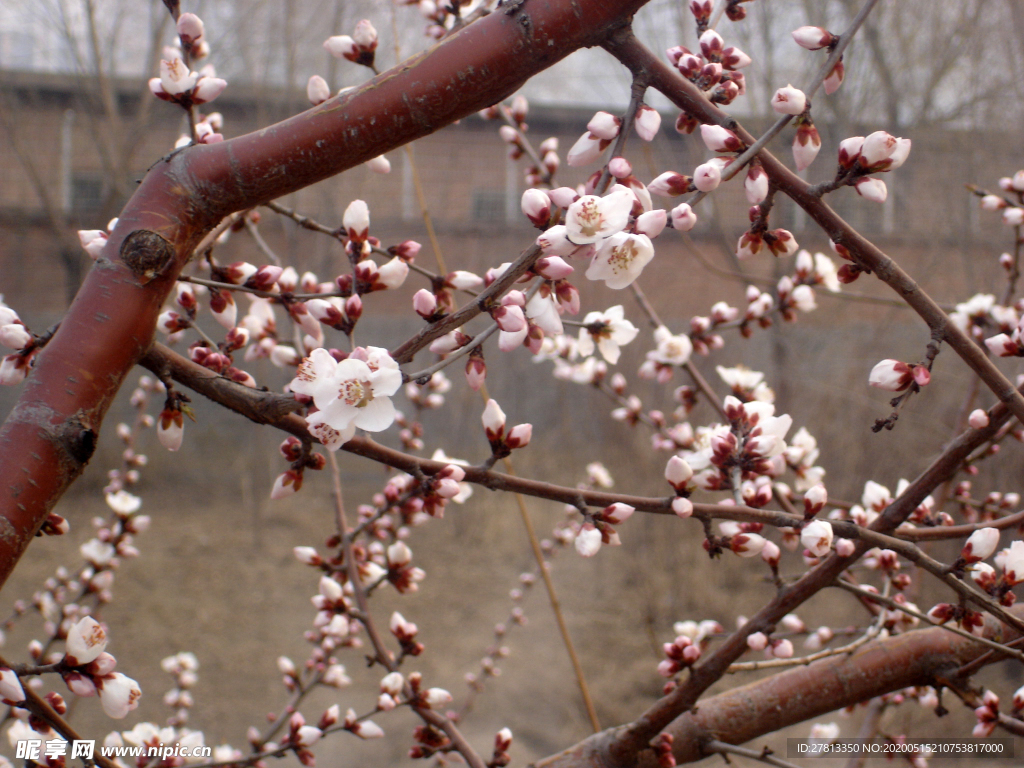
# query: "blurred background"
{"type": "Point", "coordinates": [216, 575]}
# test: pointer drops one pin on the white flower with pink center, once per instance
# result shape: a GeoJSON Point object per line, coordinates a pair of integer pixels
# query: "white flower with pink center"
{"type": "Point", "coordinates": [592, 218]}
{"type": "Point", "coordinates": [620, 259]}
{"type": "Point", "coordinates": [353, 393]}
{"type": "Point", "coordinates": [611, 331]}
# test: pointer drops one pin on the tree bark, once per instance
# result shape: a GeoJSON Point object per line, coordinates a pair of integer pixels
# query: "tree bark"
{"type": "Point", "coordinates": [918, 658]}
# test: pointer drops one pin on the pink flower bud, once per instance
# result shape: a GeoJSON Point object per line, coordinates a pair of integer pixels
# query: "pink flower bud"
{"type": "Point", "coordinates": [520, 108]}
{"type": "Point", "coordinates": [669, 184]}
{"type": "Point", "coordinates": [835, 78]}
{"type": "Point", "coordinates": [719, 139]}
{"type": "Point", "coordinates": [871, 189]}
{"type": "Point", "coordinates": [782, 649]}
{"type": "Point", "coordinates": [978, 418]}
{"type": "Point", "coordinates": [170, 429]}
{"type": "Point", "coordinates": [806, 145]}
{"type": "Point", "coordinates": [476, 372]}
{"type": "Point", "coordinates": [119, 694]}
{"type": "Point", "coordinates": [878, 146]}
{"type": "Point", "coordinates": [554, 267]}
{"type": "Point", "coordinates": [988, 203]}
{"type": "Point", "coordinates": [208, 89]}
{"type": "Point", "coordinates": [813, 38]}
{"type": "Point", "coordinates": [437, 697]}
{"type": "Point", "coordinates": [509, 318]}
{"type": "Point", "coordinates": [756, 185]}
{"type": "Point", "coordinates": [503, 740]}
{"type": "Point", "coordinates": [519, 436]}
{"type": "Point", "coordinates": [701, 10]}
{"type": "Point", "coordinates": [317, 90]}
{"type": "Point", "coordinates": [536, 206]}
{"type": "Point", "coordinates": [707, 177]}
{"type": "Point", "coordinates": [604, 126]}
{"type": "Point", "coordinates": [286, 484]}
{"type": "Point", "coordinates": [365, 36]}
{"type": "Point", "coordinates": [733, 59]}
{"type": "Point", "coordinates": [617, 513]}
{"type": "Point", "coordinates": [190, 28]}
{"type": "Point", "coordinates": [845, 547]}
{"type": "Point", "coordinates": [425, 303]}
{"type": "Point", "coordinates": [11, 691]}
{"type": "Point", "coordinates": [682, 507]}
{"type": "Point", "coordinates": [494, 421]}
{"type": "Point", "coordinates": [356, 220]}
{"type": "Point", "coordinates": [891, 375]}
{"type": "Point", "coordinates": [814, 499]}
{"type": "Point", "coordinates": [308, 735]}
{"type": "Point", "coordinates": [86, 640]}
{"type": "Point", "coordinates": [683, 218]}
{"type": "Point", "coordinates": [620, 168]}
{"type": "Point", "coordinates": [981, 544]}
{"type": "Point", "coordinates": [757, 641]}
{"type": "Point", "coordinates": [711, 44]}
{"type": "Point", "coordinates": [652, 223]}
{"type": "Point", "coordinates": [1002, 345]}
{"type": "Point", "coordinates": [1013, 217]}
{"type": "Point", "coordinates": [849, 151]}
{"type": "Point", "coordinates": [586, 150]}
{"type": "Point", "coordinates": [563, 197]}
{"type": "Point", "coordinates": [789, 101]}
{"type": "Point", "coordinates": [816, 536]}
{"type": "Point", "coordinates": [79, 684]}
{"type": "Point", "coordinates": [747, 544]}
{"type": "Point", "coordinates": [588, 540]}
{"type": "Point", "coordinates": [93, 241]}
{"type": "Point", "coordinates": [771, 553]}
{"type": "Point", "coordinates": [678, 473]}
{"type": "Point", "coordinates": [647, 122]}
{"type": "Point", "coordinates": [15, 336]}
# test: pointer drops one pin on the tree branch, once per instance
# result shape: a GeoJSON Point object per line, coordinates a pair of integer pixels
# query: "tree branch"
{"type": "Point", "coordinates": [922, 657]}
{"type": "Point", "coordinates": [51, 433]}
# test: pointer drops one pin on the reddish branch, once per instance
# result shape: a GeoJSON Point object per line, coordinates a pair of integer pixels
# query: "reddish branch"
{"type": "Point", "coordinates": [925, 657]}
{"type": "Point", "coordinates": [51, 433]}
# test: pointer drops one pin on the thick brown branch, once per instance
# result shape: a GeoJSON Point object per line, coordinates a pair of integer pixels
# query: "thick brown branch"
{"type": "Point", "coordinates": [925, 657]}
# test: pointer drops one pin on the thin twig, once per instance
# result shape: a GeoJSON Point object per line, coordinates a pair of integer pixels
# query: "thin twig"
{"type": "Point", "coordinates": [764, 756]}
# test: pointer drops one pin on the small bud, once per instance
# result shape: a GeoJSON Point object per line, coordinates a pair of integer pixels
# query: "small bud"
{"type": "Point", "coordinates": [816, 536]}
{"type": "Point", "coordinates": [978, 418]}
{"type": "Point", "coordinates": [317, 90]}
{"type": "Point", "coordinates": [981, 544]}
{"type": "Point", "coordinates": [789, 101]}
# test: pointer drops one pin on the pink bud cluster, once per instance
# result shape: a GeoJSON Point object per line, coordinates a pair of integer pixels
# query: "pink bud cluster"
{"type": "Point", "coordinates": [714, 70]}
{"type": "Point", "coordinates": [987, 715]}
{"type": "Point", "coordinates": [88, 670]}
{"type": "Point", "coordinates": [502, 442]}
{"type": "Point", "coordinates": [599, 529]}
{"type": "Point", "coordinates": [359, 47]}
{"type": "Point", "coordinates": [681, 653]}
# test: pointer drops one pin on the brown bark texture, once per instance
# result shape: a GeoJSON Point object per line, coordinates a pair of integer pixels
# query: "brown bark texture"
{"type": "Point", "coordinates": [922, 657]}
